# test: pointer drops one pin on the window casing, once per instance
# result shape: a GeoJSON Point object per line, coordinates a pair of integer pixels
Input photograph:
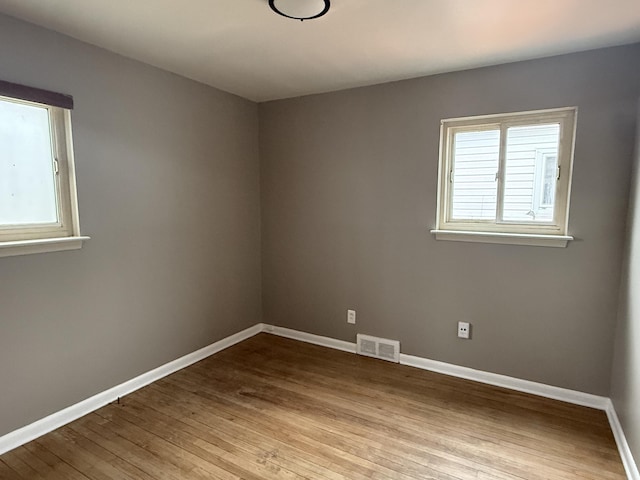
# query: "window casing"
{"type": "Point", "coordinates": [506, 174]}
{"type": "Point", "coordinates": [38, 200]}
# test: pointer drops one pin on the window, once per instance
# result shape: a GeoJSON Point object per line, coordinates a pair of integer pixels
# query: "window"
{"type": "Point", "coordinates": [38, 206]}
{"type": "Point", "coordinates": [506, 178]}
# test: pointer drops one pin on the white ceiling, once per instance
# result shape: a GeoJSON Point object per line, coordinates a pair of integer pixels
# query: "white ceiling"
{"type": "Point", "coordinates": [242, 47]}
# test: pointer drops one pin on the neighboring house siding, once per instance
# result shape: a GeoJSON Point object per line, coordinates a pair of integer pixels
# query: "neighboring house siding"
{"type": "Point", "coordinates": [529, 150]}
{"type": "Point", "coordinates": [474, 174]}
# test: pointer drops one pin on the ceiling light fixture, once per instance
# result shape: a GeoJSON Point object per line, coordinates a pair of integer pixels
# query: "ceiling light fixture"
{"type": "Point", "coordinates": [300, 9]}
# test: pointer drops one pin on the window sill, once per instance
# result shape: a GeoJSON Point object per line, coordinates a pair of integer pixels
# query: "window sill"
{"type": "Point", "coordinates": [535, 240]}
{"type": "Point", "coordinates": [41, 245]}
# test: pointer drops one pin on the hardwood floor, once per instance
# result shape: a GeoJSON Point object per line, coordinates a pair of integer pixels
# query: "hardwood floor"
{"type": "Point", "coordinates": [273, 408]}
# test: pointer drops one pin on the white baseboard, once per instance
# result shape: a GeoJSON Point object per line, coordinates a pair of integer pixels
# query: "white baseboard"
{"type": "Point", "coordinates": [540, 389]}
{"type": "Point", "coordinates": [512, 383]}
{"type": "Point", "coordinates": [534, 388]}
{"type": "Point", "coordinates": [630, 466]}
{"type": "Point", "coordinates": [311, 338]}
{"type": "Point", "coordinates": [56, 420]}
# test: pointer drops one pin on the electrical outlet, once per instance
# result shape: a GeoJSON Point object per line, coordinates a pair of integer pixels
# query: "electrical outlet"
{"type": "Point", "coordinates": [464, 330]}
{"type": "Point", "coordinates": [351, 316]}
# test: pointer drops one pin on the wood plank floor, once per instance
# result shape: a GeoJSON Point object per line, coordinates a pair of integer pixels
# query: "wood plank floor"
{"type": "Point", "coordinates": [273, 408]}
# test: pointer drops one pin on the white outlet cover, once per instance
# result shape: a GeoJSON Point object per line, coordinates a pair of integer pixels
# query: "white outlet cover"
{"type": "Point", "coordinates": [464, 329]}
{"type": "Point", "coordinates": [351, 316]}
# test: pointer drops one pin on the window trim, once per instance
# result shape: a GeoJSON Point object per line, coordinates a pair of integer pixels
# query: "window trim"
{"type": "Point", "coordinates": [503, 238]}
{"type": "Point", "coordinates": [64, 234]}
{"type": "Point", "coordinates": [496, 230]}
{"type": "Point", "coordinates": [42, 245]}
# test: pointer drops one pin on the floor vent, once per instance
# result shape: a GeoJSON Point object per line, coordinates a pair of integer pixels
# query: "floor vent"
{"type": "Point", "coordinates": [379, 348]}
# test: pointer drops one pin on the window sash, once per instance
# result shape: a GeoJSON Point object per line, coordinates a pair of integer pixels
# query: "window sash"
{"type": "Point", "coordinates": [64, 181]}
{"type": "Point", "coordinates": [565, 117]}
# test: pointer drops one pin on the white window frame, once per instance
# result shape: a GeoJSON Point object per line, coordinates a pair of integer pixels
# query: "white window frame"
{"type": "Point", "coordinates": [553, 233]}
{"type": "Point", "coordinates": [65, 233]}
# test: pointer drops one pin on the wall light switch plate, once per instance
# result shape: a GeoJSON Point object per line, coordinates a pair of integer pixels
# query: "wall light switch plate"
{"type": "Point", "coordinates": [351, 316]}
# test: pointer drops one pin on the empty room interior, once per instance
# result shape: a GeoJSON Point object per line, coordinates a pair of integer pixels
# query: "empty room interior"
{"type": "Point", "coordinates": [298, 239]}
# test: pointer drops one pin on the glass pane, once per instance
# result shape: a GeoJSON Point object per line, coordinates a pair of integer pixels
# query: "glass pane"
{"type": "Point", "coordinates": [475, 165]}
{"type": "Point", "coordinates": [530, 175]}
{"type": "Point", "coordinates": [27, 182]}
{"type": "Point", "coordinates": [548, 187]}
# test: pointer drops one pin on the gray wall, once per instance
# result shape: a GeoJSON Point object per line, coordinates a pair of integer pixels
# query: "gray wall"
{"type": "Point", "coordinates": [349, 195]}
{"type": "Point", "coordinates": [168, 183]}
{"type": "Point", "coordinates": [625, 383]}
